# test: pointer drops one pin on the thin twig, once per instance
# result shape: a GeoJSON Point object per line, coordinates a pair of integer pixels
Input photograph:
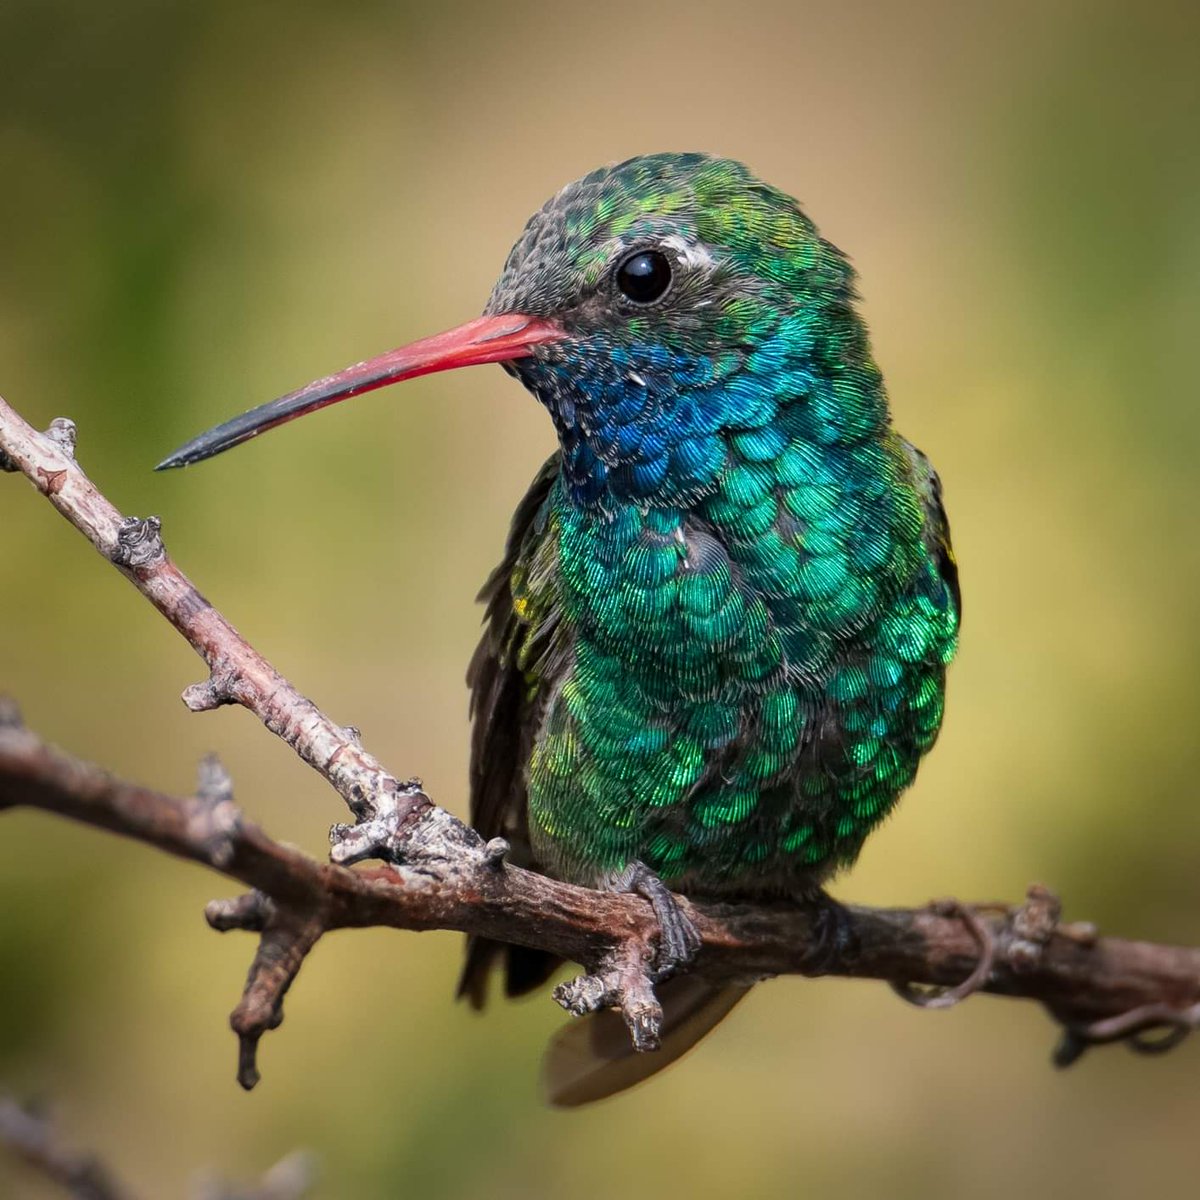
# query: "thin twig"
{"type": "Point", "coordinates": [238, 674]}
{"type": "Point", "coordinates": [441, 875]}
{"type": "Point", "coordinates": [29, 1134]}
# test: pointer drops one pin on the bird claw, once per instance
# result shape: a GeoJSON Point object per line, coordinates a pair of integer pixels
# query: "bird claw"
{"type": "Point", "coordinates": [832, 937]}
{"type": "Point", "coordinates": [678, 939]}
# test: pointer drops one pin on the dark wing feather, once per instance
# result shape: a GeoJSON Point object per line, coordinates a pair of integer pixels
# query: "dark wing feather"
{"type": "Point", "coordinates": [937, 524]}
{"type": "Point", "coordinates": [593, 1056]}
{"type": "Point", "coordinates": [511, 672]}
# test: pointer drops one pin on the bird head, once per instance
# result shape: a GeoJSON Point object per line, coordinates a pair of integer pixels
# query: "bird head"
{"type": "Point", "coordinates": [658, 309]}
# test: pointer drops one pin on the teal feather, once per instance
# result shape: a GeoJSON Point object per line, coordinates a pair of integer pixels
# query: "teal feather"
{"type": "Point", "coordinates": [718, 642]}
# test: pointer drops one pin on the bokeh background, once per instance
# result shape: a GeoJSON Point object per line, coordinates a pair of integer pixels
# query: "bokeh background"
{"type": "Point", "coordinates": [204, 205]}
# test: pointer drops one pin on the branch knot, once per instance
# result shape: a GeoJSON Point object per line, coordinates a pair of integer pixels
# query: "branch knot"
{"type": "Point", "coordinates": [215, 819]}
{"type": "Point", "coordinates": [139, 543]}
{"type": "Point", "coordinates": [62, 433]}
{"type": "Point", "coordinates": [623, 982]}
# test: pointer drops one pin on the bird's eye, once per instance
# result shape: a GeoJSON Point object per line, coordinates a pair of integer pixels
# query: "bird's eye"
{"type": "Point", "coordinates": [645, 276]}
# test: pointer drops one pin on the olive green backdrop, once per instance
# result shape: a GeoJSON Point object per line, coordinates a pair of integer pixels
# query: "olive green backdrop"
{"type": "Point", "coordinates": [204, 205]}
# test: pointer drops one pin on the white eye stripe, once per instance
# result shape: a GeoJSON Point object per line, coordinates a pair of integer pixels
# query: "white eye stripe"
{"type": "Point", "coordinates": [691, 254]}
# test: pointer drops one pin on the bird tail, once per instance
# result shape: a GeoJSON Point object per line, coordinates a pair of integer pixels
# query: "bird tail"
{"type": "Point", "coordinates": [593, 1057]}
{"type": "Point", "coordinates": [524, 969]}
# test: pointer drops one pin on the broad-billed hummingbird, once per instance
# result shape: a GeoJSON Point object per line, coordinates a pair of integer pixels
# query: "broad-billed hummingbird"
{"type": "Point", "coordinates": [715, 649]}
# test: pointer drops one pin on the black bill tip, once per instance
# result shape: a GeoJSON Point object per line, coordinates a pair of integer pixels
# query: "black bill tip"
{"type": "Point", "coordinates": [242, 428]}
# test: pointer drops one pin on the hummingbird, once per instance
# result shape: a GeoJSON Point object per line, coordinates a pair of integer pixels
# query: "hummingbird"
{"type": "Point", "coordinates": [715, 649]}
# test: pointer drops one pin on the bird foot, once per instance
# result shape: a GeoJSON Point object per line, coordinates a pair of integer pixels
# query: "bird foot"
{"type": "Point", "coordinates": [678, 939]}
{"type": "Point", "coordinates": [832, 937]}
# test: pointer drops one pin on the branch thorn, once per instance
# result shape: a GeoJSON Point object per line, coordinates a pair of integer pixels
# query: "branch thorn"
{"type": "Point", "coordinates": [623, 983]}
{"type": "Point", "coordinates": [250, 912]}
{"type": "Point", "coordinates": [495, 852]}
{"type": "Point", "coordinates": [215, 818]}
{"type": "Point", "coordinates": [210, 693]}
{"type": "Point", "coordinates": [10, 714]}
{"type": "Point", "coordinates": [62, 433]}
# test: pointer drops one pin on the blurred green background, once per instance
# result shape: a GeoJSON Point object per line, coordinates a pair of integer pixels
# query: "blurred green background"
{"type": "Point", "coordinates": [204, 205]}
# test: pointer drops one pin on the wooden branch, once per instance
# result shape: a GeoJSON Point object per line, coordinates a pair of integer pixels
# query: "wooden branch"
{"type": "Point", "coordinates": [441, 875]}
{"type": "Point", "coordinates": [1081, 978]}
{"type": "Point", "coordinates": [28, 1134]}
{"type": "Point", "coordinates": [238, 674]}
